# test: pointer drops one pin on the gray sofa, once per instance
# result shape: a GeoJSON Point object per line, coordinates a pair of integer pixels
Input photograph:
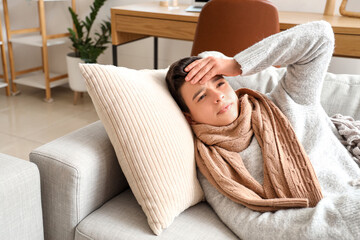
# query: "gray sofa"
{"type": "Point", "coordinates": [85, 194]}
{"type": "Point", "coordinates": [20, 200]}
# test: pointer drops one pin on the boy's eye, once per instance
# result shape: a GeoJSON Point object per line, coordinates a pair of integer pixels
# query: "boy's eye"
{"type": "Point", "coordinates": [220, 84]}
{"type": "Point", "coordinates": [201, 97]}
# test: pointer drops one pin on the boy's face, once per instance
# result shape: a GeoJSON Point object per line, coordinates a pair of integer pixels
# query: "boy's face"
{"type": "Point", "coordinates": [214, 103]}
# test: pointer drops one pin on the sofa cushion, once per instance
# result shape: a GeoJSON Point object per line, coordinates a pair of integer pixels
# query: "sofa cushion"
{"type": "Point", "coordinates": [151, 137]}
{"type": "Point", "coordinates": [122, 218]}
{"type": "Point", "coordinates": [341, 94]}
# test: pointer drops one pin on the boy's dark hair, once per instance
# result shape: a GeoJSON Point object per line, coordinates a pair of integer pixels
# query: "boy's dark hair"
{"type": "Point", "coordinates": [175, 78]}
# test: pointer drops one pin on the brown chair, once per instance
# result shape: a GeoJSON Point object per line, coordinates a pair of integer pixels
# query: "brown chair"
{"type": "Point", "coordinates": [230, 26]}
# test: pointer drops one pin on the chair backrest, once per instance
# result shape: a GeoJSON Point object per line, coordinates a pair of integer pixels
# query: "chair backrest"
{"type": "Point", "coordinates": [230, 26]}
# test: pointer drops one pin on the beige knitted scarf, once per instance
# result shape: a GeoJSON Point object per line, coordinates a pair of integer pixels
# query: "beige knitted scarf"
{"type": "Point", "coordinates": [289, 178]}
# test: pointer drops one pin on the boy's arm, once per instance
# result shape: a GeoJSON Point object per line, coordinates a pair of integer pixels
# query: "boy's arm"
{"type": "Point", "coordinates": [305, 50]}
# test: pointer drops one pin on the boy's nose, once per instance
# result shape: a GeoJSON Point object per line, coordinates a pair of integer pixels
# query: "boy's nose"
{"type": "Point", "coordinates": [219, 96]}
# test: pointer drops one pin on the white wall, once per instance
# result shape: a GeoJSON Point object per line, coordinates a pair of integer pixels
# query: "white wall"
{"type": "Point", "coordinates": [138, 54]}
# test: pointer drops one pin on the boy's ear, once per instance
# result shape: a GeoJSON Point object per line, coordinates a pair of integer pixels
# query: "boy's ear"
{"type": "Point", "coordinates": [189, 118]}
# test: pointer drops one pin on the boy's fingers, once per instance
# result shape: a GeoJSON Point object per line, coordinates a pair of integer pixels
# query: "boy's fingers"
{"type": "Point", "coordinates": [191, 69]}
{"type": "Point", "coordinates": [209, 75]}
{"type": "Point", "coordinates": [201, 73]}
{"type": "Point", "coordinates": [195, 67]}
{"type": "Point", "coordinates": [195, 63]}
{"type": "Point", "coordinates": [204, 69]}
{"type": "Point", "coordinates": [191, 65]}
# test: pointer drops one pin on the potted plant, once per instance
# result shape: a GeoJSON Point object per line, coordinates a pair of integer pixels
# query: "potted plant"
{"type": "Point", "coordinates": [87, 47]}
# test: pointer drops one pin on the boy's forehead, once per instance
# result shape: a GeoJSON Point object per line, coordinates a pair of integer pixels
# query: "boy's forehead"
{"type": "Point", "coordinates": [212, 80]}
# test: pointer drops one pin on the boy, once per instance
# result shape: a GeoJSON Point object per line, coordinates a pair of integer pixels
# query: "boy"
{"type": "Point", "coordinates": [257, 172]}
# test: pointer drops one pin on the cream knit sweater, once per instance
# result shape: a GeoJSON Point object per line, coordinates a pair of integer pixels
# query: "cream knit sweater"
{"type": "Point", "coordinates": [306, 50]}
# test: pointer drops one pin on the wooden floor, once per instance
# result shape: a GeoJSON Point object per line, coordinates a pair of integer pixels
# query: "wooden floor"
{"type": "Point", "coordinates": [27, 122]}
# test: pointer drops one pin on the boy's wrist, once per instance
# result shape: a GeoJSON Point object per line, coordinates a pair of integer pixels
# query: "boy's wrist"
{"type": "Point", "coordinates": [235, 68]}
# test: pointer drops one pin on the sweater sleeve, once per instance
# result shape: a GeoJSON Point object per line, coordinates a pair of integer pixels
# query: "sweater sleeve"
{"type": "Point", "coordinates": [335, 217]}
{"type": "Point", "coordinates": [305, 50]}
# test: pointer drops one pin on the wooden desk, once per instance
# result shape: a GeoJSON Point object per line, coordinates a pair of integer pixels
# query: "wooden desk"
{"type": "Point", "coordinates": [137, 21]}
{"type": "Point", "coordinates": [346, 29]}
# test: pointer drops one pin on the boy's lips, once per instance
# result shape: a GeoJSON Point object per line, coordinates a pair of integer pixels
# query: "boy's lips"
{"type": "Point", "coordinates": [225, 108]}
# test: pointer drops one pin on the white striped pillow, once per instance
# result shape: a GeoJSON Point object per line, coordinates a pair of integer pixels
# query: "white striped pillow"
{"type": "Point", "coordinates": [151, 137]}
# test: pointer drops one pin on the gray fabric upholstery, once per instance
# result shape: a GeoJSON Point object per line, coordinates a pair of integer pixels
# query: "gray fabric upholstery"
{"type": "Point", "coordinates": [341, 94]}
{"type": "Point", "coordinates": [20, 200]}
{"type": "Point", "coordinates": [122, 218]}
{"type": "Point", "coordinates": [79, 172]}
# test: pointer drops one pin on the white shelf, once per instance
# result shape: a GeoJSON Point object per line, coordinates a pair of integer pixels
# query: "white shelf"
{"type": "Point", "coordinates": [3, 84]}
{"type": "Point", "coordinates": [36, 40]}
{"type": "Point", "coordinates": [37, 80]}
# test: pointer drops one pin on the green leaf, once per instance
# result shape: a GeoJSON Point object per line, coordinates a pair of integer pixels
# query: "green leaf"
{"type": "Point", "coordinates": [76, 22]}
{"type": "Point", "coordinates": [86, 47]}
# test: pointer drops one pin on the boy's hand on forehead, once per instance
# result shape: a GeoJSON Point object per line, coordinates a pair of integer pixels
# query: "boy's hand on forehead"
{"type": "Point", "coordinates": [204, 69]}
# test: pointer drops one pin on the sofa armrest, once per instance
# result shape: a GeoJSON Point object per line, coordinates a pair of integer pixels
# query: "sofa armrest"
{"type": "Point", "coordinates": [20, 200]}
{"type": "Point", "coordinates": [79, 172]}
